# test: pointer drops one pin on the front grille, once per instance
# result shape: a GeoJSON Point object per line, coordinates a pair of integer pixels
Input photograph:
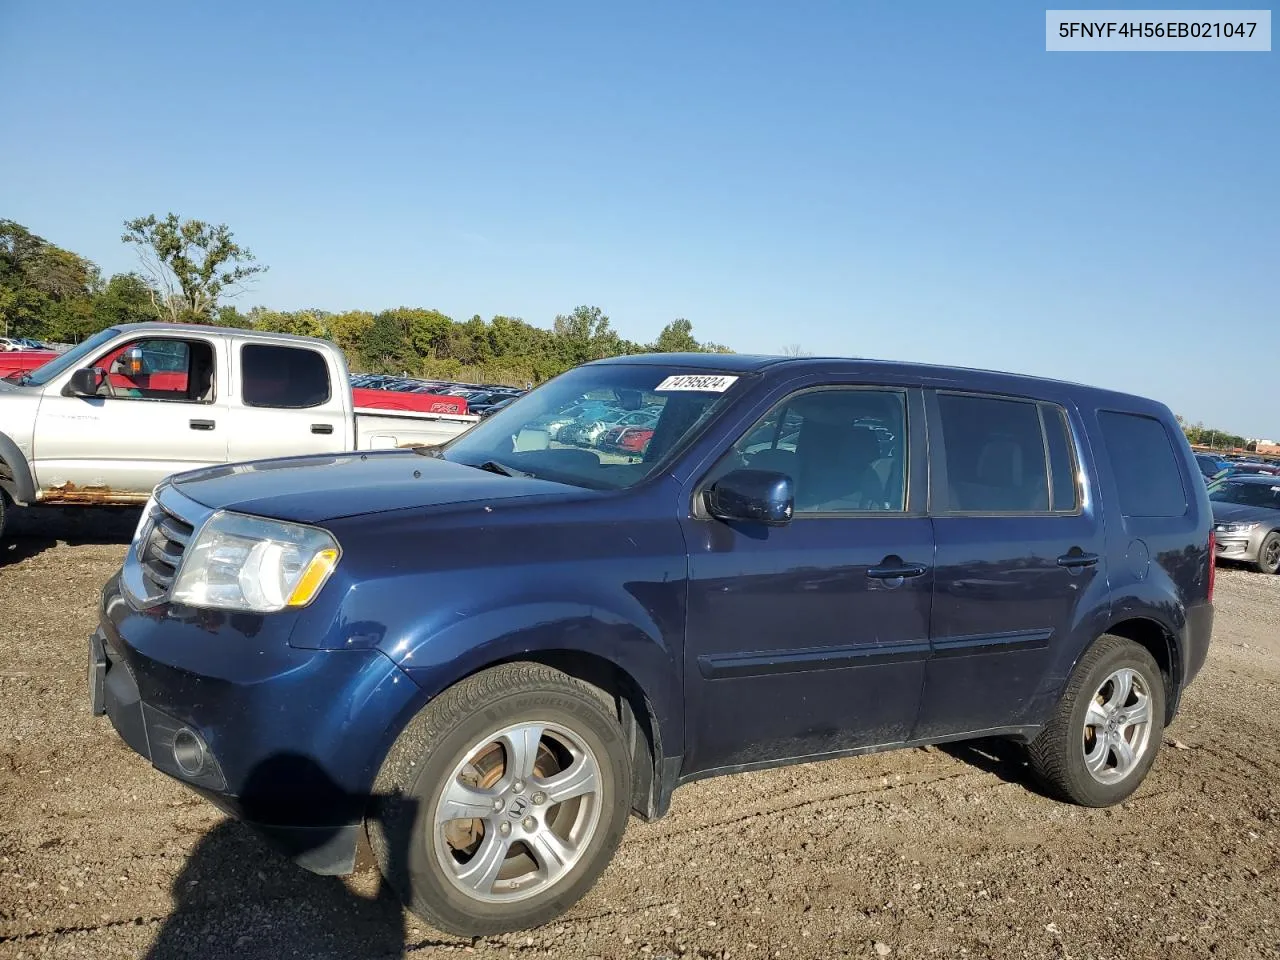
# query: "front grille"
{"type": "Point", "coordinates": [161, 549]}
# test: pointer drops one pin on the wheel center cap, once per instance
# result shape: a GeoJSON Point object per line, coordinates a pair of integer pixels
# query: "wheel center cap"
{"type": "Point", "coordinates": [518, 808]}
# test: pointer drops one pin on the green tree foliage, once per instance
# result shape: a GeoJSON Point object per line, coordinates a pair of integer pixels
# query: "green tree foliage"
{"type": "Point", "coordinates": [1201, 435]}
{"type": "Point", "coordinates": [125, 299]}
{"type": "Point", "coordinates": [190, 264]}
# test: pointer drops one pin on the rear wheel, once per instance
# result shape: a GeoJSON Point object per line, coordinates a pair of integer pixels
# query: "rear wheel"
{"type": "Point", "coordinates": [503, 801]}
{"type": "Point", "coordinates": [1269, 553]}
{"type": "Point", "coordinates": [1107, 730]}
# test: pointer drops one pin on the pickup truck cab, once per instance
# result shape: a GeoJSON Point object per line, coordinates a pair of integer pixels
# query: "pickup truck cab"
{"type": "Point", "coordinates": [483, 656]}
{"type": "Point", "coordinates": [108, 420]}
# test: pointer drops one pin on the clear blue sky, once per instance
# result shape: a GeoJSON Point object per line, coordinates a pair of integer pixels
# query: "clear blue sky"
{"type": "Point", "coordinates": [903, 180]}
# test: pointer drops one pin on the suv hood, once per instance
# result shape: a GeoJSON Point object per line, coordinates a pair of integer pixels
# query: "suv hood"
{"type": "Point", "coordinates": [314, 489]}
{"type": "Point", "coordinates": [1243, 513]}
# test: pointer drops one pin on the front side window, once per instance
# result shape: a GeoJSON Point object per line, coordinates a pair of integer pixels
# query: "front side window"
{"type": "Point", "coordinates": [283, 378]}
{"type": "Point", "coordinates": [167, 369]}
{"type": "Point", "coordinates": [844, 449]}
{"type": "Point", "coordinates": [995, 455]}
{"type": "Point", "coordinates": [1248, 494]}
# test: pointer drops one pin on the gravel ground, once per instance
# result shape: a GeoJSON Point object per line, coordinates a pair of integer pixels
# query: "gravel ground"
{"type": "Point", "coordinates": [921, 853]}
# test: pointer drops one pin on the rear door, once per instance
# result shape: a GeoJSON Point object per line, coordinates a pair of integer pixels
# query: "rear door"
{"type": "Point", "coordinates": [291, 399]}
{"type": "Point", "coordinates": [1020, 565]}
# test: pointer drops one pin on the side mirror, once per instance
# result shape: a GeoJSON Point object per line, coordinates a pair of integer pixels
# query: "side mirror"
{"type": "Point", "coordinates": [86, 382]}
{"type": "Point", "coordinates": [760, 496]}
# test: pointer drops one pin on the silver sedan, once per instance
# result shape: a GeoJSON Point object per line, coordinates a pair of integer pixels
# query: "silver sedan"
{"type": "Point", "coordinates": [1246, 520]}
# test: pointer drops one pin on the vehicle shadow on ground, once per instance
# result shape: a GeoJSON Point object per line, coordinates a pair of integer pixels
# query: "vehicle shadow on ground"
{"type": "Point", "coordinates": [1003, 758]}
{"type": "Point", "coordinates": [240, 896]}
{"type": "Point", "coordinates": [29, 532]}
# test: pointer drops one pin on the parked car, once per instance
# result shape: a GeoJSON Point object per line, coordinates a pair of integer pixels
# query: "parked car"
{"type": "Point", "coordinates": [1210, 466]}
{"type": "Point", "coordinates": [107, 421]}
{"type": "Point", "coordinates": [494, 408]}
{"type": "Point", "coordinates": [1246, 520]}
{"type": "Point", "coordinates": [485, 655]}
{"type": "Point", "coordinates": [1253, 468]}
{"type": "Point", "coordinates": [9, 345]}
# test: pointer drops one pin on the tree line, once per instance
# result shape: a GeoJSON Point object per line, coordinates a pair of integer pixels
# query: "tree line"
{"type": "Point", "coordinates": [190, 269]}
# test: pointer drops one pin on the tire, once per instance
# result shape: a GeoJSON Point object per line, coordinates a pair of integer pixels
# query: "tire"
{"type": "Point", "coordinates": [1066, 749]}
{"type": "Point", "coordinates": [1269, 553]}
{"type": "Point", "coordinates": [5, 505]}
{"type": "Point", "coordinates": [433, 864]}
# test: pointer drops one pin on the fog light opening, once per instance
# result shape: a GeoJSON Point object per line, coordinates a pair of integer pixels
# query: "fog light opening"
{"type": "Point", "coordinates": [188, 752]}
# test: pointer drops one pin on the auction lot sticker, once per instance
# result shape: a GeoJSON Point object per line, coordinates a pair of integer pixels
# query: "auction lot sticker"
{"type": "Point", "coordinates": [713, 383]}
{"type": "Point", "coordinates": [1157, 31]}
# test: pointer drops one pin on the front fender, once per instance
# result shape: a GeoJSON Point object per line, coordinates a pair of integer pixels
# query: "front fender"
{"type": "Point", "coordinates": [435, 660]}
{"type": "Point", "coordinates": [15, 473]}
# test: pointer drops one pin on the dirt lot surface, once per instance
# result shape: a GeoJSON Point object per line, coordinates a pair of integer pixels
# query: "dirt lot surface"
{"type": "Point", "coordinates": [922, 853]}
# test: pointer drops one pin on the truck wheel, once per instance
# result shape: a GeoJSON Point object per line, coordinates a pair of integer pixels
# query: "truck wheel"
{"type": "Point", "coordinates": [1269, 553]}
{"type": "Point", "coordinates": [5, 504]}
{"type": "Point", "coordinates": [1108, 726]}
{"type": "Point", "coordinates": [503, 801]}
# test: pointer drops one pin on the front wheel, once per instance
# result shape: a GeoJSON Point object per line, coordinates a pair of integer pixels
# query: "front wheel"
{"type": "Point", "coordinates": [503, 801]}
{"type": "Point", "coordinates": [5, 504]}
{"type": "Point", "coordinates": [1107, 730]}
{"type": "Point", "coordinates": [1269, 553]}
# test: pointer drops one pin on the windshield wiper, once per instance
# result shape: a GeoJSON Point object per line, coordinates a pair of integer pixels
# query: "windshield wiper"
{"type": "Point", "coordinates": [493, 466]}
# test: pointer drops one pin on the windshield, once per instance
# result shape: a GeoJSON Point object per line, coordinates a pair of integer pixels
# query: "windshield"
{"type": "Point", "coordinates": [1249, 494]}
{"type": "Point", "coordinates": [561, 430]}
{"type": "Point", "coordinates": [67, 361]}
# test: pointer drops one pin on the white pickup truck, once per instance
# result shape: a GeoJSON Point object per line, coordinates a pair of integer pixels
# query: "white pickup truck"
{"type": "Point", "coordinates": [107, 421]}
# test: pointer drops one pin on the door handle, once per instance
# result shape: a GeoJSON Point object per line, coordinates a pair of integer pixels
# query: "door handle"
{"type": "Point", "coordinates": [896, 571]}
{"type": "Point", "coordinates": [202, 424]}
{"type": "Point", "coordinates": [322, 428]}
{"type": "Point", "coordinates": [1075, 559]}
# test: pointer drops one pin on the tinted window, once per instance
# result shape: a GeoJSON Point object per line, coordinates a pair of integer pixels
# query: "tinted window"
{"type": "Point", "coordinates": [995, 454]}
{"type": "Point", "coordinates": [845, 450]}
{"type": "Point", "coordinates": [1144, 465]}
{"type": "Point", "coordinates": [290, 378]}
{"type": "Point", "coordinates": [1062, 461]}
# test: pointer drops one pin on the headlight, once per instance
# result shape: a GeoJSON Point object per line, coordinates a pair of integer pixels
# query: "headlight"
{"type": "Point", "coordinates": [247, 563]}
{"type": "Point", "coordinates": [1234, 527]}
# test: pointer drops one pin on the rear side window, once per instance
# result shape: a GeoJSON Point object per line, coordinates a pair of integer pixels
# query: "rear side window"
{"type": "Point", "coordinates": [287, 378]}
{"type": "Point", "coordinates": [1144, 464]}
{"type": "Point", "coordinates": [995, 455]}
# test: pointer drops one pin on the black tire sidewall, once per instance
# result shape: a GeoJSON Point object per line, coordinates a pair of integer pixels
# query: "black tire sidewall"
{"type": "Point", "coordinates": [585, 717]}
{"type": "Point", "coordinates": [1084, 786]}
{"type": "Point", "coordinates": [1262, 549]}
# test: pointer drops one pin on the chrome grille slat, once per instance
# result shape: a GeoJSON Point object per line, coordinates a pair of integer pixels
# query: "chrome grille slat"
{"type": "Point", "coordinates": [163, 548]}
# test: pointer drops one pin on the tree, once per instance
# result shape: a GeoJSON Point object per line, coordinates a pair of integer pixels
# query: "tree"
{"type": "Point", "coordinates": [44, 289]}
{"type": "Point", "coordinates": [795, 350]}
{"type": "Point", "coordinates": [191, 264]}
{"type": "Point", "coordinates": [125, 299]}
{"type": "Point", "coordinates": [676, 337]}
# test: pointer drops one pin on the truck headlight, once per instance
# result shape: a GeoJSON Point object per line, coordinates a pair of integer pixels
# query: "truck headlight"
{"type": "Point", "coordinates": [239, 562]}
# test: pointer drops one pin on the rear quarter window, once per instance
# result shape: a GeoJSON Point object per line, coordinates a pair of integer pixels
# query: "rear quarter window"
{"type": "Point", "coordinates": [1145, 465]}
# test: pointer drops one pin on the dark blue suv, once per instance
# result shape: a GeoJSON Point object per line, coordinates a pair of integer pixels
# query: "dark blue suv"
{"type": "Point", "coordinates": [485, 655]}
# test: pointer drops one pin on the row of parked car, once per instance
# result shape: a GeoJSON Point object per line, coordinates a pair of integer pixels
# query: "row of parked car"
{"type": "Point", "coordinates": [16, 344]}
{"type": "Point", "coordinates": [482, 398]}
{"type": "Point", "coordinates": [1215, 467]}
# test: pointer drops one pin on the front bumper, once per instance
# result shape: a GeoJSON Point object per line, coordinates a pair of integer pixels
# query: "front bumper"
{"type": "Point", "coordinates": [288, 740]}
{"type": "Point", "coordinates": [1233, 546]}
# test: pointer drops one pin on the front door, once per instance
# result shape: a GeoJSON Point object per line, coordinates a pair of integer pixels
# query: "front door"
{"type": "Point", "coordinates": [1019, 560]}
{"type": "Point", "coordinates": [160, 411]}
{"type": "Point", "coordinates": [811, 638]}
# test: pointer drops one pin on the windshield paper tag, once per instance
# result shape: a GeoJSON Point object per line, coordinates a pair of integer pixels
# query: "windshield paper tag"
{"type": "Point", "coordinates": [702, 384]}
